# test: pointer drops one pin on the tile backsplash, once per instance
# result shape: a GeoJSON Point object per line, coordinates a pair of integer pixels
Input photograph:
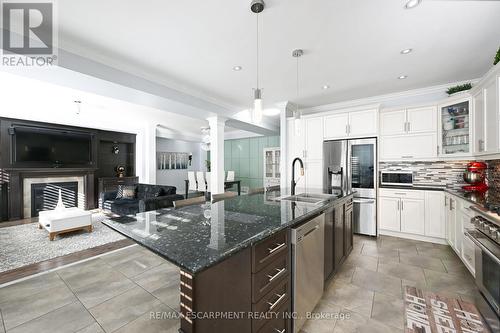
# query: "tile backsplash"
{"type": "Point", "coordinates": [433, 173]}
{"type": "Point", "coordinates": [494, 174]}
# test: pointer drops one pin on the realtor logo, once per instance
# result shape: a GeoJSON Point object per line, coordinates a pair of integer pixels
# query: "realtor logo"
{"type": "Point", "coordinates": [28, 33]}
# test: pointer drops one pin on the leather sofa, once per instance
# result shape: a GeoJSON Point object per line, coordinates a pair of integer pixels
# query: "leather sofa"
{"type": "Point", "coordinates": [147, 197]}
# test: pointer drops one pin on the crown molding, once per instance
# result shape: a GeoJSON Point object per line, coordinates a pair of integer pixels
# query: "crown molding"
{"type": "Point", "coordinates": [380, 99]}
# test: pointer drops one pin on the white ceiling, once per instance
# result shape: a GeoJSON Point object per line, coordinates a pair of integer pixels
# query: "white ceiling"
{"type": "Point", "coordinates": [351, 45]}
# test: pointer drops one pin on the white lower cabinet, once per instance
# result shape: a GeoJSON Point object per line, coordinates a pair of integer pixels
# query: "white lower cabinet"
{"type": "Point", "coordinates": [389, 215]}
{"type": "Point", "coordinates": [458, 217]}
{"type": "Point", "coordinates": [412, 219]}
{"type": "Point", "coordinates": [451, 220]}
{"type": "Point", "coordinates": [435, 225]}
{"type": "Point", "coordinates": [412, 212]}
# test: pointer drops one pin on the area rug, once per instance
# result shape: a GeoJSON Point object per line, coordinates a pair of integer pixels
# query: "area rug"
{"type": "Point", "coordinates": [25, 244]}
{"type": "Point", "coordinates": [429, 312]}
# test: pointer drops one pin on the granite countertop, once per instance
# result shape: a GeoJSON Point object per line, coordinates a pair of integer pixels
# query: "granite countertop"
{"type": "Point", "coordinates": [199, 236]}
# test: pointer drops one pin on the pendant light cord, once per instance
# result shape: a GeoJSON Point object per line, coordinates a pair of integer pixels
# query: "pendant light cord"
{"type": "Point", "coordinates": [257, 51]}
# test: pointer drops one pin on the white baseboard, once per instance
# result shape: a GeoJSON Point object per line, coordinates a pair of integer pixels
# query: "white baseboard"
{"type": "Point", "coordinates": [413, 236]}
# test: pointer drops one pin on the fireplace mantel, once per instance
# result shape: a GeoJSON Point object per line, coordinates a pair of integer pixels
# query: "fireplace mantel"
{"type": "Point", "coordinates": [16, 186]}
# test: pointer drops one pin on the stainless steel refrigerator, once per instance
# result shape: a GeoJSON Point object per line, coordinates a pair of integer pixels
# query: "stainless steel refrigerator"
{"type": "Point", "coordinates": [351, 165]}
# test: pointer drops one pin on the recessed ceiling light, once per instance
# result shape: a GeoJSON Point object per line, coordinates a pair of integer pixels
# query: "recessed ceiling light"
{"type": "Point", "coordinates": [237, 68]}
{"type": "Point", "coordinates": [402, 77]}
{"type": "Point", "coordinates": [412, 4]}
{"type": "Point", "coordinates": [406, 51]}
{"type": "Point", "coordinates": [326, 87]}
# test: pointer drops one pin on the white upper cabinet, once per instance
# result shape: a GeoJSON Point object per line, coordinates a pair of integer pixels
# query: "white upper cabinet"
{"type": "Point", "coordinates": [337, 125]}
{"type": "Point", "coordinates": [314, 138]}
{"type": "Point", "coordinates": [421, 120]}
{"type": "Point", "coordinates": [296, 140]}
{"type": "Point", "coordinates": [491, 110]}
{"type": "Point", "coordinates": [455, 130]}
{"type": "Point", "coordinates": [363, 123]}
{"type": "Point", "coordinates": [408, 121]}
{"type": "Point", "coordinates": [479, 124]}
{"type": "Point", "coordinates": [351, 124]}
{"type": "Point", "coordinates": [393, 122]}
{"type": "Point", "coordinates": [314, 174]}
{"type": "Point", "coordinates": [407, 147]}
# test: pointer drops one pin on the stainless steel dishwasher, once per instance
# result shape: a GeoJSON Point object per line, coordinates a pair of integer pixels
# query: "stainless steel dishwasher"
{"type": "Point", "coordinates": [308, 267]}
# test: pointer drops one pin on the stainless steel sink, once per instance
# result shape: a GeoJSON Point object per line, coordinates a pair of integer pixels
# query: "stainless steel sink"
{"type": "Point", "coordinates": [312, 198]}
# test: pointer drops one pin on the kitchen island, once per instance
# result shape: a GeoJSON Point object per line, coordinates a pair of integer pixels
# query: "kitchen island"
{"type": "Point", "coordinates": [234, 256]}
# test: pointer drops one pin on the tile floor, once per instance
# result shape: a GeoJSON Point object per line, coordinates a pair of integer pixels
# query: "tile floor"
{"type": "Point", "coordinates": [118, 292]}
{"type": "Point", "coordinates": [367, 294]}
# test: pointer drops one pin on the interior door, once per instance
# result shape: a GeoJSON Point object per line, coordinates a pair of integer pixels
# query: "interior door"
{"type": "Point", "coordinates": [362, 167]}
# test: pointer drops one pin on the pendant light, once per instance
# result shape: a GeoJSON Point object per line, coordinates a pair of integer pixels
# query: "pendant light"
{"type": "Point", "coordinates": [257, 6]}
{"type": "Point", "coordinates": [297, 116]}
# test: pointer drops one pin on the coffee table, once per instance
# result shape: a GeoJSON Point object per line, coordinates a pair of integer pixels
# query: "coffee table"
{"type": "Point", "coordinates": [65, 220]}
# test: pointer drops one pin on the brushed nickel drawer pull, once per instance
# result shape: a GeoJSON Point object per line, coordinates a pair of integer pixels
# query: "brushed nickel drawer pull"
{"type": "Point", "coordinates": [280, 331]}
{"type": "Point", "coordinates": [277, 248]}
{"type": "Point", "coordinates": [278, 301]}
{"type": "Point", "coordinates": [273, 277]}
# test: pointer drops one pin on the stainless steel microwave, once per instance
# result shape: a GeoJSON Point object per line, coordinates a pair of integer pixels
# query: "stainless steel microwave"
{"type": "Point", "coordinates": [396, 178]}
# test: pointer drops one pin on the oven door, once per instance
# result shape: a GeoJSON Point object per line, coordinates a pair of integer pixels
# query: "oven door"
{"type": "Point", "coordinates": [487, 262]}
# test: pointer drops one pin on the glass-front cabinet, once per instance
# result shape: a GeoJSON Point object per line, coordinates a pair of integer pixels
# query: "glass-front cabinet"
{"type": "Point", "coordinates": [272, 171]}
{"type": "Point", "coordinates": [455, 127]}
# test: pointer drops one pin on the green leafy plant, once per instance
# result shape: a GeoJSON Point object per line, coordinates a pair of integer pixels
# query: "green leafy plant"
{"type": "Point", "coordinates": [460, 87]}
{"type": "Point", "coordinates": [497, 57]}
{"type": "Point", "coordinates": [208, 165]}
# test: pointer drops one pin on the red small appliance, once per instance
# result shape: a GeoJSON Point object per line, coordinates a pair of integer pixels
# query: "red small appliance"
{"type": "Point", "coordinates": [475, 176]}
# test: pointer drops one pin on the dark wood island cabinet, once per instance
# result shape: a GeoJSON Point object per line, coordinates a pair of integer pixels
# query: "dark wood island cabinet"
{"type": "Point", "coordinates": [235, 258]}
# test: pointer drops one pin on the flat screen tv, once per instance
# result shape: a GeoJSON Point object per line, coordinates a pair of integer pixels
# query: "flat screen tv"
{"type": "Point", "coordinates": [54, 147]}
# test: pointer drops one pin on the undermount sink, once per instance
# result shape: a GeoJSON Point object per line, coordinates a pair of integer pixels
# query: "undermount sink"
{"type": "Point", "coordinates": [309, 198]}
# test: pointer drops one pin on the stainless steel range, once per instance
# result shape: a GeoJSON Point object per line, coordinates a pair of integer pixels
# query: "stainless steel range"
{"type": "Point", "coordinates": [486, 237]}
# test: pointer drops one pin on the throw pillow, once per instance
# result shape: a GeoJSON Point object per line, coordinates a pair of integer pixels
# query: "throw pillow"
{"type": "Point", "coordinates": [126, 192]}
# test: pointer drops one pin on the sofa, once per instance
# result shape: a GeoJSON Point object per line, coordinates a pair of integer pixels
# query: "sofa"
{"type": "Point", "coordinates": [144, 197]}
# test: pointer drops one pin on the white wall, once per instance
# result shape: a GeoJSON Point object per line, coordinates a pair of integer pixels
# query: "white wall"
{"type": "Point", "coordinates": [30, 99]}
{"type": "Point", "coordinates": [176, 177]}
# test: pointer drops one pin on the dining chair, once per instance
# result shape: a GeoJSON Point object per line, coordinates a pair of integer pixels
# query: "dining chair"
{"type": "Point", "coordinates": [230, 176]}
{"type": "Point", "coordinates": [200, 178]}
{"type": "Point", "coordinates": [193, 185]}
{"type": "Point", "coordinates": [256, 190]}
{"type": "Point", "coordinates": [207, 181]}
{"type": "Point", "coordinates": [273, 188]}
{"type": "Point", "coordinates": [189, 202]}
{"type": "Point", "coordinates": [223, 196]}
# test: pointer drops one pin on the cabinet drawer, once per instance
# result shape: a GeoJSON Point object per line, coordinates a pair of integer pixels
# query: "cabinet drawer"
{"type": "Point", "coordinates": [269, 249]}
{"type": "Point", "coordinates": [270, 276]}
{"type": "Point", "coordinates": [396, 193]}
{"type": "Point", "coordinates": [279, 323]}
{"type": "Point", "coordinates": [271, 302]}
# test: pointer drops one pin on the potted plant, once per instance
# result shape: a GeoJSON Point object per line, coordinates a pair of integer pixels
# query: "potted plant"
{"type": "Point", "coordinates": [461, 87]}
{"type": "Point", "coordinates": [497, 57]}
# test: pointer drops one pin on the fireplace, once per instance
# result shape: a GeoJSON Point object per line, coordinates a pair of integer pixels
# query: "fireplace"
{"type": "Point", "coordinates": [44, 196]}
{"type": "Point", "coordinates": [42, 193]}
